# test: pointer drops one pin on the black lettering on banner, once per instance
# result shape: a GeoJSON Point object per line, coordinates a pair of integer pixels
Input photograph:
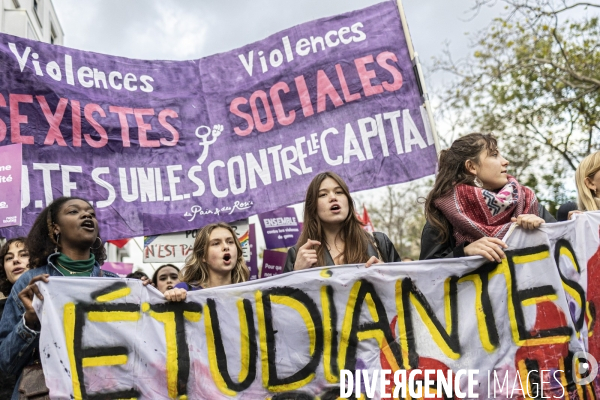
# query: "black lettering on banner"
{"type": "Point", "coordinates": [90, 352]}
{"type": "Point", "coordinates": [315, 316]}
{"type": "Point", "coordinates": [570, 385]}
{"type": "Point", "coordinates": [451, 340]}
{"type": "Point", "coordinates": [334, 333]}
{"type": "Point", "coordinates": [331, 393]}
{"type": "Point", "coordinates": [532, 293]}
{"type": "Point", "coordinates": [295, 395]}
{"type": "Point", "coordinates": [121, 394]}
{"type": "Point", "coordinates": [519, 295]}
{"type": "Point", "coordinates": [108, 289]}
{"type": "Point", "coordinates": [80, 352]}
{"type": "Point", "coordinates": [486, 303]}
{"type": "Point", "coordinates": [220, 348]}
{"type": "Point", "coordinates": [533, 377]}
{"type": "Point", "coordinates": [380, 325]}
{"type": "Point", "coordinates": [183, 353]}
{"type": "Point", "coordinates": [592, 312]}
{"type": "Point", "coordinates": [564, 244]}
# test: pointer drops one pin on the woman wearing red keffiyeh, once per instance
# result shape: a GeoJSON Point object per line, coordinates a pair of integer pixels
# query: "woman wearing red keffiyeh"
{"type": "Point", "coordinates": [474, 202]}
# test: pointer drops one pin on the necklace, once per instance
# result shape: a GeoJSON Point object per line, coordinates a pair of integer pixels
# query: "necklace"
{"type": "Point", "coordinates": [73, 272]}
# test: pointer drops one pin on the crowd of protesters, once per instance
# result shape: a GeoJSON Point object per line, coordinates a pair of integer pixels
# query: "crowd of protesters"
{"type": "Point", "coordinates": [472, 205]}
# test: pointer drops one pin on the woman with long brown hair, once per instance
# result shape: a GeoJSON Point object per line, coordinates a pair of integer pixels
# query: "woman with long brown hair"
{"type": "Point", "coordinates": [216, 260]}
{"type": "Point", "coordinates": [331, 232]}
{"type": "Point", "coordinates": [474, 201]}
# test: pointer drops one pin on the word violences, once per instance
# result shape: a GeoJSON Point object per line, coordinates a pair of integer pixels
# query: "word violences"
{"type": "Point", "coordinates": [345, 35]}
{"type": "Point", "coordinates": [87, 77]}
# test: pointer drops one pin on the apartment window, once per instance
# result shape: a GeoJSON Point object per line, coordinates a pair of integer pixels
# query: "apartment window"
{"type": "Point", "coordinates": [52, 34]}
{"type": "Point", "coordinates": [37, 10]}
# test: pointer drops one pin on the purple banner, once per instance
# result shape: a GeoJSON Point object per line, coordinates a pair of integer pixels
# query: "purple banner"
{"type": "Point", "coordinates": [280, 228]}
{"type": "Point", "coordinates": [10, 184]}
{"type": "Point", "coordinates": [167, 146]}
{"type": "Point", "coordinates": [253, 263]}
{"type": "Point", "coordinates": [273, 262]}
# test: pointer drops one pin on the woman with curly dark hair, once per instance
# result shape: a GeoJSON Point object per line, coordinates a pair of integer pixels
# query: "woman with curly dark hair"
{"type": "Point", "coordinates": [64, 241]}
{"type": "Point", "coordinates": [14, 261]}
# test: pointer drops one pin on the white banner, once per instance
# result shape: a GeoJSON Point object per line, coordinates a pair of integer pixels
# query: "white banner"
{"type": "Point", "coordinates": [505, 330]}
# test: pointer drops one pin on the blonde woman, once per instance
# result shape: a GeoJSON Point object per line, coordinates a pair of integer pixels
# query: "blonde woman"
{"type": "Point", "coordinates": [587, 178]}
{"type": "Point", "coordinates": [216, 260]}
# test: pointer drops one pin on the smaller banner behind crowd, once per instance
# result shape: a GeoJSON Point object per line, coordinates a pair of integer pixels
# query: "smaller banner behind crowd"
{"type": "Point", "coordinates": [280, 228]}
{"type": "Point", "coordinates": [273, 263]}
{"type": "Point", "coordinates": [167, 146]}
{"type": "Point", "coordinates": [524, 321]}
{"type": "Point", "coordinates": [10, 185]}
{"type": "Point", "coordinates": [120, 268]}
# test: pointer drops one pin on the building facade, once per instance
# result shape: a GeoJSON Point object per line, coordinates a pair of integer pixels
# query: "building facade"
{"type": "Point", "coordinates": [31, 19]}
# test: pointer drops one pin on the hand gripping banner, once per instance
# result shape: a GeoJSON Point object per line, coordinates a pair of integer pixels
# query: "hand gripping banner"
{"type": "Point", "coordinates": [524, 324]}
{"type": "Point", "coordinates": [168, 146]}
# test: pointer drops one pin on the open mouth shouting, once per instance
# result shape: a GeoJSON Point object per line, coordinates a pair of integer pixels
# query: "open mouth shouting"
{"type": "Point", "coordinates": [88, 225]}
{"type": "Point", "coordinates": [335, 208]}
{"type": "Point", "coordinates": [227, 259]}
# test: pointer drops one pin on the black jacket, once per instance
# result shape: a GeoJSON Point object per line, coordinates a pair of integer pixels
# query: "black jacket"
{"type": "Point", "coordinates": [431, 248]}
{"type": "Point", "coordinates": [385, 245]}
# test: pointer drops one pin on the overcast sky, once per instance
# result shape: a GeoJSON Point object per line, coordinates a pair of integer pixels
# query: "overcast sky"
{"type": "Point", "coordinates": [190, 29]}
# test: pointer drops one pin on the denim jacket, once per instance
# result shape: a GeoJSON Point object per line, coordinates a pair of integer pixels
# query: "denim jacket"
{"type": "Point", "coordinates": [17, 341]}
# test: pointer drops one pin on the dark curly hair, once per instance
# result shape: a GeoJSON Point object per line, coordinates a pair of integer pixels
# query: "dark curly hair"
{"type": "Point", "coordinates": [5, 285]}
{"type": "Point", "coordinates": [41, 241]}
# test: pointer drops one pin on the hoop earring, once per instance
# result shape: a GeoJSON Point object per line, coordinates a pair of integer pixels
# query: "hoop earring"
{"type": "Point", "coordinates": [478, 182]}
{"type": "Point", "coordinates": [56, 243]}
{"type": "Point", "coordinates": [100, 245]}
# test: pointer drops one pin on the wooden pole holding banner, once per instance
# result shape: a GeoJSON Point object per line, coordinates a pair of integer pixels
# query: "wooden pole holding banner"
{"type": "Point", "coordinates": [419, 72]}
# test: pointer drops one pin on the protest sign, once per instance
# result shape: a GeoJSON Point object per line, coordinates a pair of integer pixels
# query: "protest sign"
{"type": "Point", "coordinates": [170, 146]}
{"type": "Point", "coordinates": [273, 262]}
{"type": "Point", "coordinates": [10, 185]}
{"type": "Point", "coordinates": [518, 328]}
{"type": "Point", "coordinates": [175, 247]}
{"type": "Point", "coordinates": [280, 227]}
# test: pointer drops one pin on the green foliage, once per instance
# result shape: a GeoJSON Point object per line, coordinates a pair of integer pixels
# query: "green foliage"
{"type": "Point", "coordinates": [399, 213]}
{"type": "Point", "coordinates": [534, 80]}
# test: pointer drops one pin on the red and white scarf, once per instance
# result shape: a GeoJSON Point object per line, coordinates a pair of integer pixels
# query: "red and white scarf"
{"type": "Point", "coordinates": [475, 212]}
